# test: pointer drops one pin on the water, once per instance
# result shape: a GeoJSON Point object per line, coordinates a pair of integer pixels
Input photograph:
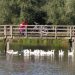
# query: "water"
{"type": "Point", "coordinates": [37, 65]}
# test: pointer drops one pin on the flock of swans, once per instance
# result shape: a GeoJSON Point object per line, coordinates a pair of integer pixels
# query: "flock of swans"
{"type": "Point", "coordinates": [38, 52]}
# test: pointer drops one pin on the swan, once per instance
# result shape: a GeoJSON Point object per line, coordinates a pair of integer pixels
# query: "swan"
{"type": "Point", "coordinates": [61, 52]}
{"type": "Point", "coordinates": [15, 52]}
{"type": "Point", "coordinates": [50, 52]}
{"type": "Point", "coordinates": [32, 53]}
{"type": "Point", "coordinates": [70, 52]}
{"type": "Point", "coordinates": [36, 52]}
{"type": "Point", "coordinates": [12, 52]}
{"type": "Point", "coordinates": [26, 52]}
{"type": "Point", "coordinates": [42, 53]}
{"type": "Point", "coordinates": [9, 51]}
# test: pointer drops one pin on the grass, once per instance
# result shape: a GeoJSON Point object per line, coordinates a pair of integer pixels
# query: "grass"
{"type": "Point", "coordinates": [39, 43]}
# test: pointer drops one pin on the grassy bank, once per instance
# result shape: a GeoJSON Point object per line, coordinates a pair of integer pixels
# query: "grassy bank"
{"type": "Point", "coordinates": [20, 44]}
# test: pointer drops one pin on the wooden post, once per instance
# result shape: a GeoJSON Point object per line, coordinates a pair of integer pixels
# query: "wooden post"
{"type": "Point", "coordinates": [41, 31]}
{"type": "Point", "coordinates": [7, 44]}
{"type": "Point", "coordinates": [73, 43]}
{"type": "Point", "coordinates": [5, 31]}
{"type": "Point", "coordinates": [25, 32]}
{"type": "Point", "coordinates": [11, 31]}
{"type": "Point", "coordinates": [70, 32]}
{"type": "Point", "coordinates": [70, 42]}
{"type": "Point", "coordinates": [55, 32]}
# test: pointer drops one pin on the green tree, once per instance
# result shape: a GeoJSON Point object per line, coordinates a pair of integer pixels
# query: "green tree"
{"type": "Point", "coordinates": [4, 12]}
{"type": "Point", "coordinates": [70, 12]}
{"type": "Point", "coordinates": [58, 12]}
{"type": "Point", "coordinates": [14, 11]}
{"type": "Point", "coordinates": [31, 10]}
{"type": "Point", "coordinates": [55, 11]}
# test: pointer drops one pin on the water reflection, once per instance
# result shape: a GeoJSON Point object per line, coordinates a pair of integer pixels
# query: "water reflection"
{"type": "Point", "coordinates": [37, 65]}
{"type": "Point", "coordinates": [71, 59]}
{"type": "Point", "coordinates": [61, 58]}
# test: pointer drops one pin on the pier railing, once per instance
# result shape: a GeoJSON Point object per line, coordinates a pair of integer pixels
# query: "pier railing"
{"type": "Point", "coordinates": [38, 31]}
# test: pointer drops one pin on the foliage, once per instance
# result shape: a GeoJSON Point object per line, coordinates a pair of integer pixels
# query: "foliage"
{"type": "Point", "coordinates": [58, 12]}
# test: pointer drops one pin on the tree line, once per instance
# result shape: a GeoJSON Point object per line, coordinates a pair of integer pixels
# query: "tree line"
{"type": "Point", "coordinates": [56, 12]}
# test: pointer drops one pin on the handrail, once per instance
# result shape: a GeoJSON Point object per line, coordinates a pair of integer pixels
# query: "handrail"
{"type": "Point", "coordinates": [42, 31]}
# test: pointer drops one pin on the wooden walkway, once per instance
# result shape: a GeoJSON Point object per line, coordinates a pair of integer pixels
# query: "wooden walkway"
{"type": "Point", "coordinates": [38, 31]}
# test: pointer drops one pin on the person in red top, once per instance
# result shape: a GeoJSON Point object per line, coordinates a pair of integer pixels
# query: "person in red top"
{"type": "Point", "coordinates": [23, 27]}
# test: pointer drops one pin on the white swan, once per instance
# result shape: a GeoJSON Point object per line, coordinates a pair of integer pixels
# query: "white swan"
{"type": "Point", "coordinates": [42, 53]}
{"type": "Point", "coordinates": [50, 52]}
{"type": "Point", "coordinates": [70, 53]}
{"type": "Point", "coordinates": [61, 52]}
{"type": "Point", "coordinates": [53, 52]}
{"type": "Point", "coordinates": [26, 52]}
{"type": "Point", "coordinates": [36, 52]}
{"type": "Point", "coordinates": [15, 52]}
{"type": "Point", "coordinates": [9, 51]}
{"type": "Point", "coordinates": [12, 52]}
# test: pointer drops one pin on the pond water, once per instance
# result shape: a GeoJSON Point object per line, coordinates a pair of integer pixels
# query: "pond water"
{"type": "Point", "coordinates": [37, 65]}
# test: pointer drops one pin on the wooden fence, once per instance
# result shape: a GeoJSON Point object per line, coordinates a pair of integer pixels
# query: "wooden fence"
{"type": "Point", "coordinates": [38, 31]}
